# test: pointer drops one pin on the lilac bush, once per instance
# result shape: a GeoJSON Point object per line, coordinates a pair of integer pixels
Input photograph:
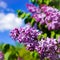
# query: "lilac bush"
{"type": "Point", "coordinates": [48, 47]}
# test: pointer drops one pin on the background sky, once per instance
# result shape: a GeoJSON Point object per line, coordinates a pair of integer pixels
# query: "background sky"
{"type": "Point", "coordinates": [9, 19]}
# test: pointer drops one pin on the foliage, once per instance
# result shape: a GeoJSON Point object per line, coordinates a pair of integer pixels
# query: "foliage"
{"type": "Point", "coordinates": [13, 52]}
{"type": "Point", "coordinates": [55, 3]}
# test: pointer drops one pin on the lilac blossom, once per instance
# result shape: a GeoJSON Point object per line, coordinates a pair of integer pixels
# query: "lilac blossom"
{"type": "Point", "coordinates": [39, 17]}
{"type": "Point", "coordinates": [48, 16]}
{"type": "Point", "coordinates": [48, 9]}
{"type": "Point", "coordinates": [47, 48]}
{"type": "Point", "coordinates": [14, 33]}
{"type": "Point", "coordinates": [26, 35]}
{"type": "Point", "coordinates": [33, 8]}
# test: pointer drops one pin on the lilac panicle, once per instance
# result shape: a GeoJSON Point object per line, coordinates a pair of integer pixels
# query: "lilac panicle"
{"type": "Point", "coordinates": [47, 15]}
{"type": "Point", "coordinates": [47, 48]}
{"type": "Point", "coordinates": [27, 35]}
{"type": "Point", "coordinates": [33, 8]}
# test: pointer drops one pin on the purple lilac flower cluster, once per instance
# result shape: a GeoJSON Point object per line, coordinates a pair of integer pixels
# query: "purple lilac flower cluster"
{"type": "Point", "coordinates": [33, 8]}
{"type": "Point", "coordinates": [48, 48]}
{"type": "Point", "coordinates": [45, 47]}
{"type": "Point", "coordinates": [27, 35]}
{"type": "Point", "coordinates": [46, 15]}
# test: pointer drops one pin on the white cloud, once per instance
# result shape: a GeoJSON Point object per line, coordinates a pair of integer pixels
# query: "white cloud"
{"type": "Point", "coordinates": [10, 21]}
{"type": "Point", "coordinates": [3, 4]}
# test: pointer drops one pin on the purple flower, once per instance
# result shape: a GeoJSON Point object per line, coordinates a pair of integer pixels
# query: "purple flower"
{"type": "Point", "coordinates": [39, 17]}
{"type": "Point", "coordinates": [47, 48]}
{"type": "Point", "coordinates": [33, 8]}
{"type": "Point", "coordinates": [14, 33]}
{"type": "Point", "coordinates": [1, 56]}
{"type": "Point", "coordinates": [48, 9]}
{"type": "Point", "coordinates": [48, 16]}
{"type": "Point", "coordinates": [27, 35]}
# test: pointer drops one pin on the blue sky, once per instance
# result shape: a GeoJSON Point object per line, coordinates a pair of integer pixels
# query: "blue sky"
{"type": "Point", "coordinates": [8, 17]}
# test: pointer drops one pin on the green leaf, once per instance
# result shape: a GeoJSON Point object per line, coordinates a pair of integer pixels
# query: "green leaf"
{"type": "Point", "coordinates": [28, 19]}
{"type": "Point", "coordinates": [57, 35]}
{"type": "Point", "coordinates": [7, 54]}
{"type": "Point", "coordinates": [44, 35]}
{"type": "Point", "coordinates": [19, 13]}
{"type": "Point", "coordinates": [28, 14]}
{"type": "Point", "coordinates": [23, 15]}
{"type": "Point", "coordinates": [6, 47]}
{"type": "Point", "coordinates": [36, 55]}
{"type": "Point", "coordinates": [47, 1]}
{"type": "Point", "coordinates": [39, 1]}
{"type": "Point", "coordinates": [32, 22]}
{"type": "Point", "coordinates": [39, 37]}
{"type": "Point", "coordinates": [33, 1]}
{"type": "Point", "coordinates": [52, 34]}
{"type": "Point", "coordinates": [32, 53]}
{"type": "Point", "coordinates": [38, 25]}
